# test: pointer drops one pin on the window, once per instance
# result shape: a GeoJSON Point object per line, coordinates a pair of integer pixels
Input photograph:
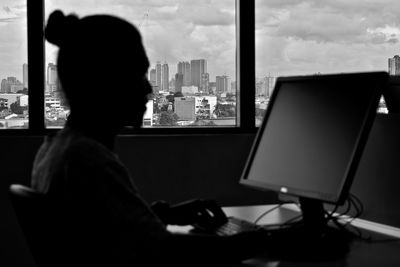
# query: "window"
{"type": "Point", "coordinates": [13, 65]}
{"type": "Point", "coordinates": [191, 46]}
{"type": "Point", "coordinates": [313, 37]}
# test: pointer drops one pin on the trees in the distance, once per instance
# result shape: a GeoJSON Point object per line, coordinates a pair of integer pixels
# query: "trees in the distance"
{"type": "Point", "coordinates": [168, 118]}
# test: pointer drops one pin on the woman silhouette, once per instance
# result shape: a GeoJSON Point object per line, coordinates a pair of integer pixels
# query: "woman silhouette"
{"type": "Point", "coordinates": [102, 68]}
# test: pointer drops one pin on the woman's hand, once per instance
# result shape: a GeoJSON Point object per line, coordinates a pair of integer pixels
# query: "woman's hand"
{"type": "Point", "coordinates": [199, 212]}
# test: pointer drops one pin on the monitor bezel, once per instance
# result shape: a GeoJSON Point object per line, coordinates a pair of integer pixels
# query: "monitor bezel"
{"type": "Point", "coordinates": [341, 195]}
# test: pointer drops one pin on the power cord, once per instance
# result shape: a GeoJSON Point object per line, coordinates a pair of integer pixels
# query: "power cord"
{"type": "Point", "coordinates": [272, 209]}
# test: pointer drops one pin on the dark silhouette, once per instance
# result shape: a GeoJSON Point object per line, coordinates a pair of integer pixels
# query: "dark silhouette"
{"type": "Point", "coordinates": [102, 63]}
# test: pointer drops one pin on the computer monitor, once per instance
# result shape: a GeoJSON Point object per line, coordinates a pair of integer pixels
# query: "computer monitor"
{"type": "Point", "coordinates": [312, 137]}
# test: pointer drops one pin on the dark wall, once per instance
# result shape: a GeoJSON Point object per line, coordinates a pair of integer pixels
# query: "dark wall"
{"type": "Point", "coordinates": [377, 182]}
{"type": "Point", "coordinates": [179, 167]}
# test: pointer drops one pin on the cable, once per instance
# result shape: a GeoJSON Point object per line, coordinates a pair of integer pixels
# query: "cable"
{"type": "Point", "coordinates": [272, 209]}
{"type": "Point", "coordinates": [266, 212]}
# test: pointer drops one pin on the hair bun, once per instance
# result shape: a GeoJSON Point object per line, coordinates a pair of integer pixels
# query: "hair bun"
{"type": "Point", "coordinates": [59, 27]}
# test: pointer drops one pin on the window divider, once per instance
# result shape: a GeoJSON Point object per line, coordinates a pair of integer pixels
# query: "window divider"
{"type": "Point", "coordinates": [245, 21]}
{"type": "Point", "coordinates": [36, 58]}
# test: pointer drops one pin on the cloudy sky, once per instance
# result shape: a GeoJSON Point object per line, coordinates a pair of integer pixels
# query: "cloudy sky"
{"type": "Point", "coordinates": [13, 39]}
{"type": "Point", "coordinates": [293, 36]}
{"type": "Point", "coordinates": [173, 30]}
{"type": "Point", "coordinates": [302, 37]}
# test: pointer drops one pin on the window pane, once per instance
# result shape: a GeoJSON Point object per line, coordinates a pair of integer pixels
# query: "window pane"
{"type": "Point", "coordinates": [191, 47]}
{"type": "Point", "coordinates": [13, 65]}
{"type": "Point", "coordinates": [312, 37]}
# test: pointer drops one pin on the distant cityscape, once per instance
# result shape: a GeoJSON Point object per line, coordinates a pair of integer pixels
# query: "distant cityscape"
{"type": "Point", "coordinates": [188, 98]}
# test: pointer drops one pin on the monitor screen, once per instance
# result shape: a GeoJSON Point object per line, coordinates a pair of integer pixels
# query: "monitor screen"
{"type": "Point", "coordinates": [313, 133]}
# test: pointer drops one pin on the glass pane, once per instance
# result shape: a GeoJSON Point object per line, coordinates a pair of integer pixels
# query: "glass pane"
{"type": "Point", "coordinates": [312, 37]}
{"type": "Point", "coordinates": [191, 47]}
{"type": "Point", "coordinates": [13, 65]}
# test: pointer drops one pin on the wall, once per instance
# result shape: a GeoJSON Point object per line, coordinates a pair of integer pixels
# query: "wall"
{"type": "Point", "coordinates": [377, 182]}
{"type": "Point", "coordinates": [176, 168]}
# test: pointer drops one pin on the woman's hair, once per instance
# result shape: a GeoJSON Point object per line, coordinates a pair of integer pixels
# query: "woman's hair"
{"type": "Point", "coordinates": [96, 54]}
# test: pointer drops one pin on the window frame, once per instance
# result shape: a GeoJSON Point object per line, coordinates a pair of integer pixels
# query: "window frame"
{"type": "Point", "coordinates": [245, 73]}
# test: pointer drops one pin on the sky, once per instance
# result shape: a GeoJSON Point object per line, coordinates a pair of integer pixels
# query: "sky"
{"type": "Point", "coordinates": [13, 38]}
{"type": "Point", "coordinates": [172, 30]}
{"type": "Point", "coordinates": [306, 37]}
{"type": "Point", "coordinates": [292, 36]}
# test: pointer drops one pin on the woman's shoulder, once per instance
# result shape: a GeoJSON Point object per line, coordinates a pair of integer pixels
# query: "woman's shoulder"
{"type": "Point", "coordinates": [75, 146]}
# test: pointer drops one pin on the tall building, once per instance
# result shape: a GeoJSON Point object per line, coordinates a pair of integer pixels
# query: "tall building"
{"type": "Point", "coordinates": [165, 77]}
{"type": "Point", "coordinates": [197, 68]}
{"type": "Point", "coordinates": [233, 87]}
{"type": "Point", "coordinates": [52, 77]}
{"type": "Point", "coordinates": [184, 69]}
{"type": "Point", "coordinates": [187, 79]}
{"type": "Point", "coordinates": [394, 65]}
{"type": "Point", "coordinates": [180, 68]}
{"type": "Point", "coordinates": [5, 88]}
{"type": "Point", "coordinates": [222, 84]}
{"type": "Point", "coordinates": [25, 75]}
{"type": "Point", "coordinates": [178, 82]}
{"type": "Point", "coordinates": [153, 80]}
{"type": "Point", "coordinates": [205, 79]}
{"type": "Point", "coordinates": [269, 84]}
{"type": "Point", "coordinates": [158, 75]}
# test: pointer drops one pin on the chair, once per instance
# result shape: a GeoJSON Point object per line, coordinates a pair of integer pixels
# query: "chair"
{"type": "Point", "coordinates": [40, 225]}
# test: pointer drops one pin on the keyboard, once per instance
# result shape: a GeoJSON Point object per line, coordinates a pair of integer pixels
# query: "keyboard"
{"type": "Point", "coordinates": [236, 225]}
{"type": "Point", "coordinates": [233, 226]}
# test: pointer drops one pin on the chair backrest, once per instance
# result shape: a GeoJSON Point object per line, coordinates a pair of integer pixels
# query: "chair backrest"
{"type": "Point", "coordinates": [37, 217]}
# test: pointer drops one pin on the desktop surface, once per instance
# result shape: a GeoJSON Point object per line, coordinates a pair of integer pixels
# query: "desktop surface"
{"type": "Point", "coordinates": [382, 250]}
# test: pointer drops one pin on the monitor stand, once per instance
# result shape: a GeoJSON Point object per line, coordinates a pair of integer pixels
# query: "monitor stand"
{"type": "Point", "coordinates": [313, 239]}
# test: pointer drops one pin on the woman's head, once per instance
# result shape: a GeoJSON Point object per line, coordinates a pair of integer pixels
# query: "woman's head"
{"type": "Point", "coordinates": [102, 64]}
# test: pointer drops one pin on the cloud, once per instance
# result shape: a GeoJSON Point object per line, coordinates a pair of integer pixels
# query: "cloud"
{"type": "Point", "coordinates": [308, 36]}
{"type": "Point", "coordinates": [173, 30]}
{"type": "Point", "coordinates": [327, 21]}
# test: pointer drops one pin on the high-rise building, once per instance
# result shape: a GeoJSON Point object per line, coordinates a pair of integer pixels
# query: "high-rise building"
{"type": "Point", "coordinates": [205, 79]}
{"type": "Point", "coordinates": [180, 68]}
{"type": "Point", "coordinates": [25, 75]}
{"type": "Point", "coordinates": [153, 80]}
{"type": "Point", "coordinates": [269, 84]}
{"type": "Point", "coordinates": [197, 68]}
{"type": "Point", "coordinates": [233, 87]}
{"type": "Point", "coordinates": [158, 75]}
{"type": "Point", "coordinates": [187, 79]}
{"type": "Point", "coordinates": [52, 77]}
{"type": "Point", "coordinates": [178, 82]}
{"type": "Point", "coordinates": [165, 77]}
{"type": "Point", "coordinates": [184, 69]}
{"type": "Point", "coordinates": [394, 65]}
{"type": "Point", "coordinates": [4, 86]}
{"type": "Point", "coordinates": [222, 84]}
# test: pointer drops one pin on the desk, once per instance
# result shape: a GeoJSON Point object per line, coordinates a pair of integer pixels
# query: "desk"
{"type": "Point", "coordinates": [362, 253]}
